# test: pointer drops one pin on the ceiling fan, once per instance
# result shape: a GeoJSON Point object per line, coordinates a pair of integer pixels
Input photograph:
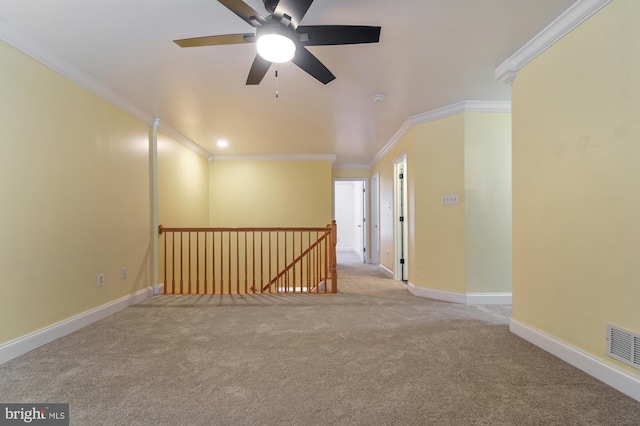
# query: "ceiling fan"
{"type": "Point", "coordinates": [280, 37]}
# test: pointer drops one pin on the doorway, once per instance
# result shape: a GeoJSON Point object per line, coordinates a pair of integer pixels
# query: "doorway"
{"type": "Point", "coordinates": [400, 218]}
{"type": "Point", "coordinates": [374, 254]}
{"type": "Point", "coordinates": [350, 213]}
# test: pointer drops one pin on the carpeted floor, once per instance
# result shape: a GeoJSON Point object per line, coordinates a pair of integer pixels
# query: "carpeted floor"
{"type": "Point", "coordinates": [370, 355]}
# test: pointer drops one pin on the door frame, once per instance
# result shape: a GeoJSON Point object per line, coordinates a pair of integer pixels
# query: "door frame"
{"type": "Point", "coordinates": [365, 234]}
{"type": "Point", "coordinates": [401, 220]}
{"type": "Point", "coordinates": [374, 202]}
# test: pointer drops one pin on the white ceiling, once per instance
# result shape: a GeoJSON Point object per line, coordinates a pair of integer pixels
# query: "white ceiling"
{"type": "Point", "coordinates": [432, 53]}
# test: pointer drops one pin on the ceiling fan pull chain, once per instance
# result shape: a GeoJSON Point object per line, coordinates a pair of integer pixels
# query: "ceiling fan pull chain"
{"type": "Point", "coordinates": [277, 92]}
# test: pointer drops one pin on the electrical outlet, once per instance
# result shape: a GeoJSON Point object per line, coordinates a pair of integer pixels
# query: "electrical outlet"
{"type": "Point", "coordinates": [449, 199]}
{"type": "Point", "coordinates": [100, 279]}
{"type": "Point", "coordinates": [123, 273]}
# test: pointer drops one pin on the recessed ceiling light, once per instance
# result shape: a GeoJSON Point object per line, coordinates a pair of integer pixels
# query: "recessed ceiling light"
{"type": "Point", "coordinates": [378, 98]}
{"type": "Point", "coordinates": [223, 144]}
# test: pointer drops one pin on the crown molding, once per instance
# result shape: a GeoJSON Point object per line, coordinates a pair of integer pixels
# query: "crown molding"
{"type": "Point", "coordinates": [174, 134]}
{"type": "Point", "coordinates": [275, 157]}
{"type": "Point", "coordinates": [49, 59]}
{"type": "Point", "coordinates": [404, 129]}
{"type": "Point", "coordinates": [579, 12]}
{"type": "Point", "coordinates": [438, 114]}
{"type": "Point", "coordinates": [459, 108]}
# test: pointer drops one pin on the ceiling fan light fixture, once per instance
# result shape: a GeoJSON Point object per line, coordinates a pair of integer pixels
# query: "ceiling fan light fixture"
{"type": "Point", "coordinates": [275, 44]}
{"type": "Point", "coordinates": [276, 48]}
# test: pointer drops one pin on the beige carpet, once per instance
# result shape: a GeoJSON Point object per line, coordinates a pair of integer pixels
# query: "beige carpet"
{"type": "Point", "coordinates": [370, 355]}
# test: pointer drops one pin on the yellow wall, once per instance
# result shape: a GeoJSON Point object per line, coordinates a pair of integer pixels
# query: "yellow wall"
{"type": "Point", "coordinates": [269, 193]}
{"type": "Point", "coordinates": [487, 202]}
{"type": "Point", "coordinates": [576, 202]}
{"type": "Point", "coordinates": [350, 173]}
{"type": "Point", "coordinates": [183, 185]}
{"type": "Point", "coordinates": [438, 262]}
{"type": "Point", "coordinates": [74, 184]}
{"type": "Point", "coordinates": [463, 248]}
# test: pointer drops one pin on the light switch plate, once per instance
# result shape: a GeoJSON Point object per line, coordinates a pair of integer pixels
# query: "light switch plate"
{"type": "Point", "coordinates": [449, 199]}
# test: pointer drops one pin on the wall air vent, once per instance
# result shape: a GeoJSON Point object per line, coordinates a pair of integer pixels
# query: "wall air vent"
{"type": "Point", "coordinates": [623, 345]}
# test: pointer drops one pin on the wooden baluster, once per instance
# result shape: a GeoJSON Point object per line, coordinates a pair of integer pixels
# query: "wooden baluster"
{"type": "Point", "coordinates": [334, 262]}
{"type": "Point", "coordinates": [221, 262]}
{"type": "Point", "coordinates": [237, 262]}
{"type": "Point", "coordinates": [164, 278]}
{"type": "Point", "coordinates": [309, 265]}
{"type": "Point", "coordinates": [229, 270]}
{"type": "Point", "coordinates": [173, 263]}
{"type": "Point", "coordinates": [181, 263]}
{"type": "Point", "coordinates": [213, 262]}
{"type": "Point", "coordinates": [253, 240]}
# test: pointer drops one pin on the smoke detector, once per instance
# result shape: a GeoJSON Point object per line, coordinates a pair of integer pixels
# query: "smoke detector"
{"type": "Point", "coordinates": [378, 98]}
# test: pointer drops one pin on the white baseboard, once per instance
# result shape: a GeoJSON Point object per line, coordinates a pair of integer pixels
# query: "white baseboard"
{"type": "Point", "coordinates": [445, 296]}
{"type": "Point", "coordinates": [158, 289]}
{"type": "Point", "coordinates": [386, 271]}
{"type": "Point", "coordinates": [346, 250]}
{"type": "Point", "coordinates": [31, 341]}
{"type": "Point", "coordinates": [462, 298]}
{"type": "Point", "coordinates": [612, 376]}
{"type": "Point", "coordinates": [489, 298]}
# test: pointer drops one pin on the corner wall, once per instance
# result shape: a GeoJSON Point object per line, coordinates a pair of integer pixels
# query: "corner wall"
{"type": "Point", "coordinates": [487, 202]}
{"type": "Point", "coordinates": [459, 253]}
{"type": "Point", "coordinates": [183, 185]}
{"type": "Point", "coordinates": [74, 184]}
{"type": "Point", "coordinates": [576, 203]}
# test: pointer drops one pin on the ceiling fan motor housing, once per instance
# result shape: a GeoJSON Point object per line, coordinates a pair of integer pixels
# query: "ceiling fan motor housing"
{"type": "Point", "coordinates": [271, 5]}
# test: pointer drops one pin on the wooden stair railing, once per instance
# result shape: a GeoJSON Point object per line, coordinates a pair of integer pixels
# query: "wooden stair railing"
{"type": "Point", "coordinates": [248, 260]}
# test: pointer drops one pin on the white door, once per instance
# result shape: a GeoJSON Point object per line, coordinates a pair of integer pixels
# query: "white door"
{"type": "Point", "coordinates": [375, 218]}
{"type": "Point", "coordinates": [401, 222]}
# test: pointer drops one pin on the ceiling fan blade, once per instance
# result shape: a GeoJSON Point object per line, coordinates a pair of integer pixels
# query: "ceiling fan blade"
{"type": "Point", "coordinates": [258, 70]}
{"type": "Point", "coordinates": [216, 40]}
{"type": "Point", "coordinates": [295, 9]}
{"type": "Point", "coordinates": [244, 11]}
{"type": "Point", "coordinates": [328, 35]}
{"type": "Point", "coordinates": [312, 65]}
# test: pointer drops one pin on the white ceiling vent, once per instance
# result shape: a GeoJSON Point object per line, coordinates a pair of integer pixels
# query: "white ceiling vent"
{"type": "Point", "coordinates": [623, 345]}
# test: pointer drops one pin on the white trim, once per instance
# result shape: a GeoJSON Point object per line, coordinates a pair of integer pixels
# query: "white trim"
{"type": "Point", "coordinates": [385, 270]}
{"type": "Point", "coordinates": [489, 298]}
{"type": "Point", "coordinates": [404, 129]}
{"type": "Point", "coordinates": [51, 60]}
{"type": "Point", "coordinates": [31, 341]}
{"type": "Point", "coordinates": [173, 133]}
{"type": "Point", "coordinates": [603, 371]}
{"type": "Point", "coordinates": [158, 289]}
{"type": "Point", "coordinates": [461, 298]}
{"type": "Point", "coordinates": [459, 108]}
{"type": "Point", "coordinates": [346, 249]}
{"type": "Point", "coordinates": [579, 12]}
{"type": "Point", "coordinates": [445, 296]}
{"type": "Point", "coordinates": [438, 114]}
{"type": "Point", "coordinates": [275, 157]}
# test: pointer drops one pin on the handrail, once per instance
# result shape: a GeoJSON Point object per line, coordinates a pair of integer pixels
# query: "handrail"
{"type": "Point", "coordinates": [295, 261]}
{"type": "Point", "coordinates": [241, 260]}
{"type": "Point", "coordinates": [162, 229]}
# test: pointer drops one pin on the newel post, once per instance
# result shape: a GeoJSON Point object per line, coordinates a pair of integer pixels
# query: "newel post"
{"type": "Point", "coordinates": [333, 259]}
